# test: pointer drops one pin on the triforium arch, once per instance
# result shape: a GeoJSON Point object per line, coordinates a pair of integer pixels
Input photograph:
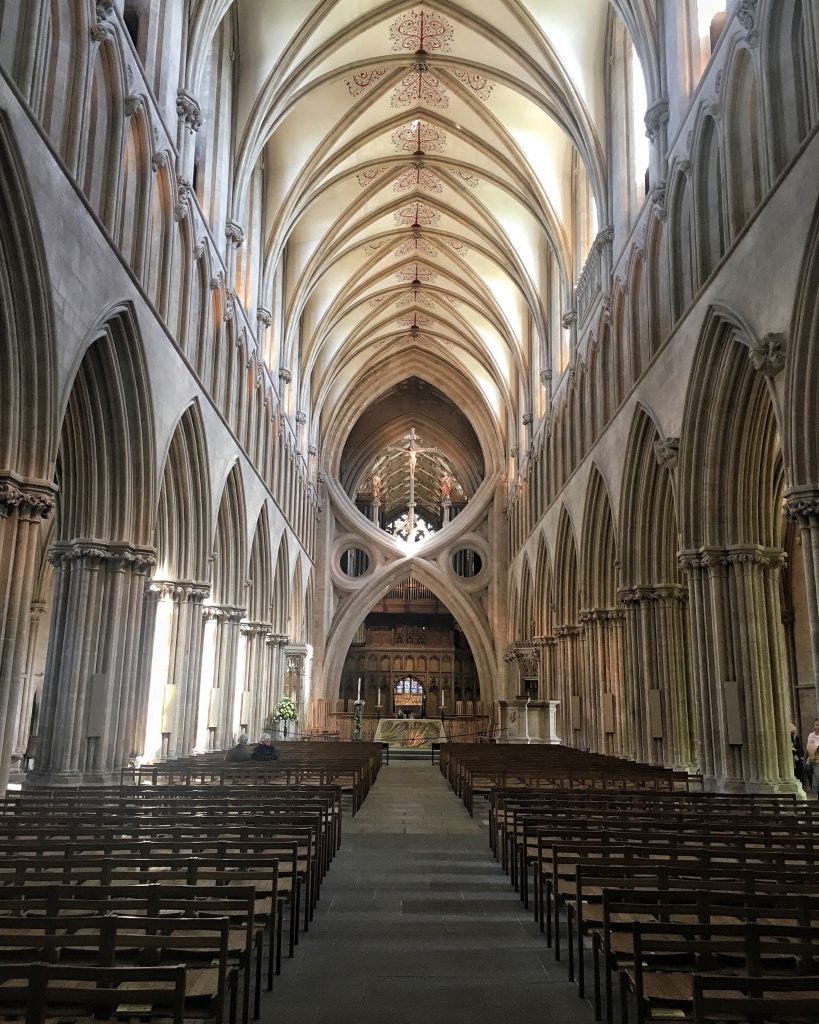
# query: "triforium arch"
{"type": "Point", "coordinates": [102, 555]}
{"type": "Point", "coordinates": [602, 669]}
{"type": "Point", "coordinates": [732, 480]}
{"type": "Point", "coordinates": [658, 686]}
{"type": "Point", "coordinates": [27, 424]}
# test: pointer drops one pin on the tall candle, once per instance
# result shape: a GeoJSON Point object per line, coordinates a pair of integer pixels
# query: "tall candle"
{"type": "Point", "coordinates": [359, 688]}
{"type": "Point", "coordinates": [443, 698]}
{"type": "Point", "coordinates": [379, 696]}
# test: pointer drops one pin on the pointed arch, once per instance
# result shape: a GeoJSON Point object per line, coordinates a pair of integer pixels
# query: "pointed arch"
{"type": "Point", "coordinates": [229, 543]}
{"type": "Point", "coordinates": [281, 589]}
{"type": "Point", "coordinates": [543, 591]}
{"type": "Point", "coordinates": [260, 591]}
{"type": "Point", "coordinates": [567, 597]}
{"type": "Point", "coordinates": [185, 502]}
{"type": "Point", "coordinates": [106, 459]}
{"type": "Point", "coordinates": [599, 546]}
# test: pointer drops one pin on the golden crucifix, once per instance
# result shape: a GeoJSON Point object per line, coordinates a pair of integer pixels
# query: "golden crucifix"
{"type": "Point", "coordinates": [410, 446]}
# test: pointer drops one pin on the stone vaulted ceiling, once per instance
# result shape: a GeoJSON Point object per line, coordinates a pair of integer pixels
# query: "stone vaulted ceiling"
{"type": "Point", "coordinates": [422, 162]}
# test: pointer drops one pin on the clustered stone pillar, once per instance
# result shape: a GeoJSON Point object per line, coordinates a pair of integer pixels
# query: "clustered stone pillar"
{"type": "Point", "coordinates": [740, 670]}
{"type": "Point", "coordinates": [223, 695]}
{"type": "Point", "coordinates": [802, 508]}
{"type": "Point", "coordinates": [601, 685]}
{"type": "Point", "coordinates": [573, 726]}
{"type": "Point", "coordinates": [91, 688]}
{"type": "Point", "coordinates": [253, 707]}
{"type": "Point", "coordinates": [659, 699]}
{"type": "Point", "coordinates": [29, 681]}
{"type": "Point", "coordinates": [181, 696]}
{"type": "Point", "coordinates": [276, 645]}
{"type": "Point", "coordinates": [23, 507]}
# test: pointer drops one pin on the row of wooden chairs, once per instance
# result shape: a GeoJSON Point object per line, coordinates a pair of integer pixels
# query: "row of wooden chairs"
{"type": "Point", "coordinates": [702, 905]}
{"type": "Point", "coordinates": [182, 892]}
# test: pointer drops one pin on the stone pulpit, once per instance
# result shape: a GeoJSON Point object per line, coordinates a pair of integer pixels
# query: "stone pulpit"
{"type": "Point", "coordinates": [528, 721]}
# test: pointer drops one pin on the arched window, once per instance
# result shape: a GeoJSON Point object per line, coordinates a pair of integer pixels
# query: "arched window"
{"type": "Point", "coordinates": [639, 105]}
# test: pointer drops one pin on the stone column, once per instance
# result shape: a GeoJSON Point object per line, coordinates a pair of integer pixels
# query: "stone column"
{"type": "Point", "coordinates": [252, 706]}
{"type": "Point", "coordinates": [223, 692]}
{"type": "Point", "coordinates": [277, 643]}
{"type": "Point", "coordinates": [802, 508]}
{"type": "Point", "coordinates": [145, 661]}
{"type": "Point", "coordinates": [572, 714]}
{"type": "Point", "coordinates": [657, 674]}
{"type": "Point", "coordinates": [181, 678]}
{"type": "Point", "coordinates": [90, 692]}
{"type": "Point", "coordinates": [740, 672]}
{"type": "Point", "coordinates": [375, 510]}
{"type": "Point", "coordinates": [446, 511]}
{"type": "Point", "coordinates": [24, 504]}
{"type": "Point", "coordinates": [29, 681]}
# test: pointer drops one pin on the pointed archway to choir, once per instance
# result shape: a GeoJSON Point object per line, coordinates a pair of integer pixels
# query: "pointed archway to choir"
{"type": "Point", "coordinates": [410, 634]}
{"type": "Point", "coordinates": [466, 609]}
{"type": "Point", "coordinates": [102, 555]}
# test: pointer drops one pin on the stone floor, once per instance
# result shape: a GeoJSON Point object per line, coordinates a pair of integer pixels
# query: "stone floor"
{"type": "Point", "coordinates": [417, 923]}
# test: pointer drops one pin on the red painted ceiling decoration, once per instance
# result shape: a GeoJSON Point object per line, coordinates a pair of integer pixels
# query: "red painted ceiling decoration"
{"type": "Point", "coordinates": [418, 177]}
{"type": "Point", "coordinates": [416, 215]}
{"type": "Point", "coordinates": [417, 245]}
{"type": "Point", "coordinates": [372, 247]}
{"type": "Point", "coordinates": [419, 272]}
{"type": "Point", "coordinates": [415, 319]}
{"type": "Point", "coordinates": [422, 31]}
{"type": "Point", "coordinates": [467, 177]}
{"type": "Point", "coordinates": [359, 80]}
{"type": "Point", "coordinates": [420, 86]}
{"type": "Point", "coordinates": [419, 137]}
{"type": "Point", "coordinates": [474, 81]}
{"type": "Point", "coordinates": [366, 178]}
{"type": "Point", "coordinates": [415, 298]}
{"type": "Point", "coordinates": [456, 245]}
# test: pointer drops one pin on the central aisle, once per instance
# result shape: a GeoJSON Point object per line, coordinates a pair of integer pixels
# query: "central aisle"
{"type": "Point", "coordinates": [418, 925]}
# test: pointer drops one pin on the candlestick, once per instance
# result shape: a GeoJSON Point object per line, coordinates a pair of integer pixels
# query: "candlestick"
{"type": "Point", "coordinates": [526, 719]}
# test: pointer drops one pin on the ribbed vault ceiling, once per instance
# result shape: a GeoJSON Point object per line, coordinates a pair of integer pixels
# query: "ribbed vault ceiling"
{"type": "Point", "coordinates": [423, 162]}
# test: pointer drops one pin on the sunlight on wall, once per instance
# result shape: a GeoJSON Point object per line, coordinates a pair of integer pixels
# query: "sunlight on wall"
{"type": "Point", "coordinates": [206, 684]}
{"type": "Point", "coordinates": [159, 676]}
{"type": "Point", "coordinates": [236, 712]}
{"type": "Point", "coordinates": [639, 105]}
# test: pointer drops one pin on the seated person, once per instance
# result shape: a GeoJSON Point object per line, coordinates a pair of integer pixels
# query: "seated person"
{"type": "Point", "coordinates": [265, 751]}
{"type": "Point", "coordinates": [242, 751]}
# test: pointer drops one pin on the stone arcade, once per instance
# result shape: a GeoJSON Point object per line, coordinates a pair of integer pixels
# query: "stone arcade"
{"type": "Point", "coordinates": [247, 253]}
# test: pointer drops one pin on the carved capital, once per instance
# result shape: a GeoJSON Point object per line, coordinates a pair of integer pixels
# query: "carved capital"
{"type": "Point", "coordinates": [92, 554]}
{"type": "Point", "coordinates": [527, 419]}
{"type": "Point", "coordinates": [235, 235]}
{"type": "Point", "coordinates": [264, 317]}
{"type": "Point", "coordinates": [312, 450]}
{"type": "Point", "coordinates": [655, 117]}
{"type": "Point", "coordinates": [28, 499]}
{"type": "Point", "coordinates": [285, 376]}
{"type": "Point", "coordinates": [767, 354]}
{"type": "Point", "coordinates": [802, 507]}
{"type": "Point", "coordinates": [189, 111]}
{"type": "Point", "coordinates": [301, 418]}
{"type": "Point", "coordinates": [255, 630]}
{"type": "Point", "coordinates": [184, 191]}
{"type": "Point", "coordinates": [667, 452]}
{"type": "Point", "coordinates": [546, 377]}
{"type": "Point", "coordinates": [569, 318]}
{"type": "Point", "coordinates": [230, 306]}
{"type": "Point", "coordinates": [658, 197]}
{"type": "Point", "coordinates": [228, 613]}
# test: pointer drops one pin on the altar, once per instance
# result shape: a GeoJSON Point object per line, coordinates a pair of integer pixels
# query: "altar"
{"type": "Point", "coordinates": [417, 733]}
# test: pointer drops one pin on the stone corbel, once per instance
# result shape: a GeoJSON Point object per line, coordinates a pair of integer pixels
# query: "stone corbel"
{"type": "Point", "coordinates": [133, 104]}
{"type": "Point", "coordinates": [667, 452]}
{"type": "Point", "coordinates": [546, 378]}
{"type": "Point", "coordinates": [264, 317]}
{"type": "Point", "coordinates": [184, 190]}
{"type": "Point", "coordinates": [656, 116]}
{"type": "Point", "coordinates": [527, 419]}
{"type": "Point", "coordinates": [159, 159]}
{"type": "Point", "coordinates": [301, 418]}
{"type": "Point", "coordinates": [189, 111]}
{"type": "Point", "coordinates": [746, 14]}
{"type": "Point", "coordinates": [285, 376]}
{"type": "Point", "coordinates": [234, 233]}
{"type": "Point", "coordinates": [569, 319]}
{"type": "Point", "coordinates": [230, 306]}
{"type": "Point", "coordinates": [767, 354]}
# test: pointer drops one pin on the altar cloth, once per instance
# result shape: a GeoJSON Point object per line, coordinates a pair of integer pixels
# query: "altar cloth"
{"type": "Point", "coordinates": [418, 733]}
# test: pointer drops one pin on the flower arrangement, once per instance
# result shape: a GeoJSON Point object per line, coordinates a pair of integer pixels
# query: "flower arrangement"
{"type": "Point", "coordinates": [285, 710]}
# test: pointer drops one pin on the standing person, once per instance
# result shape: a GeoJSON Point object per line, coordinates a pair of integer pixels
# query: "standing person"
{"type": "Point", "coordinates": [812, 751]}
{"type": "Point", "coordinates": [242, 750]}
{"type": "Point", "coordinates": [798, 756]}
{"type": "Point", "coordinates": [265, 751]}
